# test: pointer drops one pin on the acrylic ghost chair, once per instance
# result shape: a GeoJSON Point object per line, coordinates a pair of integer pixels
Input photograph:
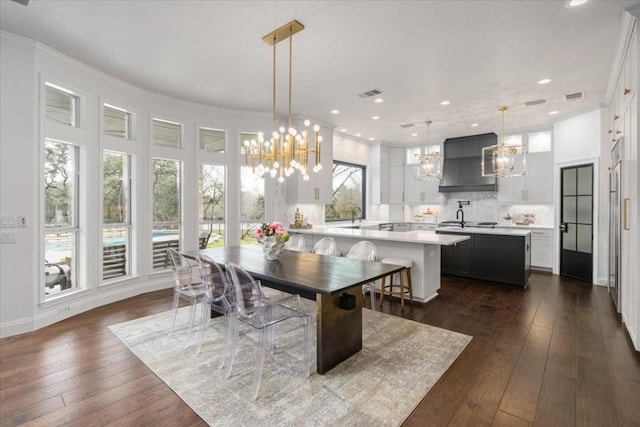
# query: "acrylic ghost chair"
{"type": "Point", "coordinates": [220, 297]}
{"type": "Point", "coordinates": [188, 286]}
{"type": "Point", "coordinates": [325, 246]}
{"type": "Point", "coordinates": [365, 251]}
{"type": "Point", "coordinates": [255, 309]}
{"type": "Point", "coordinates": [296, 242]}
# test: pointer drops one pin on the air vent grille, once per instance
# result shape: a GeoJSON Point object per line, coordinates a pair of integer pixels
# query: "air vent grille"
{"type": "Point", "coordinates": [370, 93]}
{"type": "Point", "coordinates": [536, 102]}
{"type": "Point", "coordinates": [407, 125]}
{"type": "Point", "coordinates": [574, 96]}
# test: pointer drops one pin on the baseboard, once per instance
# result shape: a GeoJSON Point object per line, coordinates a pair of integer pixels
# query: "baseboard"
{"type": "Point", "coordinates": [69, 307]}
{"type": "Point", "coordinates": [630, 332]}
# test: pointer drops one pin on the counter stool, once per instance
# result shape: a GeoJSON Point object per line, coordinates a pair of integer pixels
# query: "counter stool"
{"type": "Point", "coordinates": [406, 263]}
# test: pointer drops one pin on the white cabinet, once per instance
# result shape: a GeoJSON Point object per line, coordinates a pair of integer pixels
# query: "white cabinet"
{"type": "Point", "coordinates": [384, 175]}
{"type": "Point", "coordinates": [319, 187]}
{"type": "Point", "coordinates": [396, 185]}
{"type": "Point", "coordinates": [419, 192]}
{"type": "Point", "coordinates": [542, 248]}
{"type": "Point", "coordinates": [536, 186]}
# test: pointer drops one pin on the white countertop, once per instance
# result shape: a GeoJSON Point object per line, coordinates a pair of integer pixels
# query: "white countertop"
{"type": "Point", "coordinates": [479, 230]}
{"type": "Point", "coordinates": [415, 236]}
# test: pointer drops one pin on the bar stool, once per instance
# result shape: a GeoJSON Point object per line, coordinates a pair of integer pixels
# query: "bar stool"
{"type": "Point", "coordinates": [406, 263]}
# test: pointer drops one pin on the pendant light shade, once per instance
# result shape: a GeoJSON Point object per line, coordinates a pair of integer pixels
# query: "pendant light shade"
{"type": "Point", "coordinates": [429, 167]}
{"type": "Point", "coordinates": [504, 160]}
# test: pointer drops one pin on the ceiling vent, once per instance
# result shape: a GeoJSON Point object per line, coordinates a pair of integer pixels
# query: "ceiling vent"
{"type": "Point", "coordinates": [574, 96]}
{"type": "Point", "coordinates": [370, 93]}
{"type": "Point", "coordinates": [408, 125]}
{"type": "Point", "coordinates": [536, 102]}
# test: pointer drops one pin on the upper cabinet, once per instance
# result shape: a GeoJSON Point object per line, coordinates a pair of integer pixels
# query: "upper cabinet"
{"type": "Point", "coordinates": [536, 186]}
{"type": "Point", "coordinates": [318, 188]}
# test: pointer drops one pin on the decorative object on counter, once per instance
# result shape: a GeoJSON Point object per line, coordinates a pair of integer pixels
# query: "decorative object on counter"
{"type": "Point", "coordinates": [508, 217]}
{"type": "Point", "coordinates": [418, 217]}
{"type": "Point", "coordinates": [287, 149]}
{"type": "Point", "coordinates": [272, 237]}
{"type": "Point", "coordinates": [524, 218]}
{"type": "Point", "coordinates": [504, 160]}
{"type": "Point", "coordinates": [429, 165]}
{"type": "Point", "coordinates": [298, 220]}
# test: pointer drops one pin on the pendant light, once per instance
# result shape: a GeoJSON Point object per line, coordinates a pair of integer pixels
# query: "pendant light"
{"type": "Point", "coordinates": [288, 149]}
{"type": "Point", "coordinates": [429, 167]}
{"type": "Point", "coordinates": [504, 160]}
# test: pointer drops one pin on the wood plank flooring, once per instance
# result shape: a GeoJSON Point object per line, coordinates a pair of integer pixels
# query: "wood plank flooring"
{"type": "Point", "coordinates": [553, 355]}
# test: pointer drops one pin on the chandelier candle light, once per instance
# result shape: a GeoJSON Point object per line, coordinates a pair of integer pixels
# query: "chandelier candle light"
{"type": "Point", "coordinates": [505, 160]}
{"type": "Point", "coordinates": [287, 149]}
{"type": "Point", "coordinates": [429, 165]}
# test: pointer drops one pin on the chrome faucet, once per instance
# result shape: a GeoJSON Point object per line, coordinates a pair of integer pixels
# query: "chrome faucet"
{"type": "Point", "coordinates": [353, 214]}
{"type": "Point", "coordinates": [460, 212]}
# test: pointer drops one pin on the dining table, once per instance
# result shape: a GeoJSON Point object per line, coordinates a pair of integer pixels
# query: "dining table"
{"type": "Point", "coordinates": [335, 283]}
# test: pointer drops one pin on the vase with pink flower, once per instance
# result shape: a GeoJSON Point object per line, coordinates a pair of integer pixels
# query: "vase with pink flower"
{"type": "Point", "coordinates": [272, 237]}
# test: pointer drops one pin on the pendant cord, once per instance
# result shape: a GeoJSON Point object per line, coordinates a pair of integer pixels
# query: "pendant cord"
{"type": "Point", "coordinates": [290, 69]}
{"type": "Point", "coordinates": [274, 82]}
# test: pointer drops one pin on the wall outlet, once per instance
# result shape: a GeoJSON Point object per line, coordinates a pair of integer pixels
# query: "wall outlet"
{"type": "Point", "coordinates": [7, 237]}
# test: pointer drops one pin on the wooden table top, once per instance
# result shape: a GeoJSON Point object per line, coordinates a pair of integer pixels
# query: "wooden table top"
{"type": "Point", "coordinates": [321, 274]}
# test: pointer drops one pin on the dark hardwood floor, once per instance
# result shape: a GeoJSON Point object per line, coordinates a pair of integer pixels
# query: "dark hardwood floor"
{"type": "Point", "coordinates": [553, 355]}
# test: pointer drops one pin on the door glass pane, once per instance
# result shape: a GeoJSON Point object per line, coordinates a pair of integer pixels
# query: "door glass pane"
{"type": "Point", "coordinates": [584, 238]}
{"type": "Point", "coordinates": [569, 238]}
{"type": "Point", "coordinates": [569, 182]}
{"type": "Point", "coordinates": [569, 209]}
{"type": "Point", "coordinates": [585, 181]}
{"type": "Point", "coordinates": [584, 209]}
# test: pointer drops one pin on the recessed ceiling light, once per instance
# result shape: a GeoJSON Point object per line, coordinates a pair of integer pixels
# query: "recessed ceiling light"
{"type": "Point", "coordinates": [376, 117]}
{"type": "Point", "coordinates": [371, 138]}
{"type": "Point", "coordinates": [343, 130]}
{"type": "Point", "coordinates": [575, 3]}
{"type": "Point", "coordinates": [378, 100]}
{"type": "Point", "coordinates": [553, 112]}
{"type": "Point", "coordinates": [474, 125]}
{"type": "Point", "coordinates": [358, 134]}
{"type": "Point", "coordinates": [335, 111]}
{"type": "Point", "coordinates": [414, 134]}
{"type": "Point", "coordinates": [544, 81]}
{"type": "Point", "coordinates": [445, 103]}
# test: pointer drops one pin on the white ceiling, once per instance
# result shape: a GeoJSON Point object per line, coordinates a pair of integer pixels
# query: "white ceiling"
{"type": "Point", "coordinates": [477, 54]}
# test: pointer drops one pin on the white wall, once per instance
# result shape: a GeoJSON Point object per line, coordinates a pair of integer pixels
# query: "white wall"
{"type": "Point", "coordinates": [577, 141]}
{"type": "Point", "coordinates": [25, 66]}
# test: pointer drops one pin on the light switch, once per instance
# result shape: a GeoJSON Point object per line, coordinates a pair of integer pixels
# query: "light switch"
{"type": "Point", "coordinates": [7, 237]}
{"type": "Point", "coordinates": [8, 221]}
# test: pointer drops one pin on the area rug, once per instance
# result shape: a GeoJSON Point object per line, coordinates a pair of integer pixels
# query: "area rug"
{"type": "Point", "coordinates": [398, 364]}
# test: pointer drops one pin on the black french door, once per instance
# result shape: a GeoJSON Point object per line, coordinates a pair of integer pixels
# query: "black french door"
{"type": "Point", "coordinates": [576, 222]}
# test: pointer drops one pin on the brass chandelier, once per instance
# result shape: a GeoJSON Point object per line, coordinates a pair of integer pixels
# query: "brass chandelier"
{"type": "Point", "coordinates": [504, 160]}
{"type": "Point", "coordinates": [288, 149]}
{"type": "Point", "coordinates": [429, 165]}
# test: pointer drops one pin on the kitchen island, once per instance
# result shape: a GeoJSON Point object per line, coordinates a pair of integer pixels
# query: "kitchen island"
{"type": "Point", "coordinates": [421, 247]}
{"type": "Point", "coordinates": [501, 256]}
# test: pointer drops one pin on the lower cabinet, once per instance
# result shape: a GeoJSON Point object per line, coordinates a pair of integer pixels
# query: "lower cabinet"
{"type": "Point", "coordinates": [502, 259]}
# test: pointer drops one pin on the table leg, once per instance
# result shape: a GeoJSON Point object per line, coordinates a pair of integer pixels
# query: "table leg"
{"type": "Point", "coordinates": [339, 332]}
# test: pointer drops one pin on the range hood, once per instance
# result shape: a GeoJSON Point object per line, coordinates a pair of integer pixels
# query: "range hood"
{"type": "Point", "coordinates": [462, 164]}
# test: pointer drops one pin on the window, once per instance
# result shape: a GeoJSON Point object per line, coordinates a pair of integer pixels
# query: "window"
{"type": "Point", "coordinates": [211, 205]}
{"type": "Point", "coordinates": [348, 192]}
{"type": "Point", "coordinates": [116, 216]}
{"type": "Point", "coordinates": [166, 210]}
{"type": "Point", "coordinates": [61, 105]}
{"type": "Point", "coordinates": [212, 140]}
{"type": "Point", "coordinates": [61, 216]}
{"type": "Point", "coordinates": [167, 134]}
{"type": "Point", "coordinates": [117, 122]}
{"type": "Point", "coordinates": [252, 195]}
{"type": "Point", "coordinates": [539, 142]}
